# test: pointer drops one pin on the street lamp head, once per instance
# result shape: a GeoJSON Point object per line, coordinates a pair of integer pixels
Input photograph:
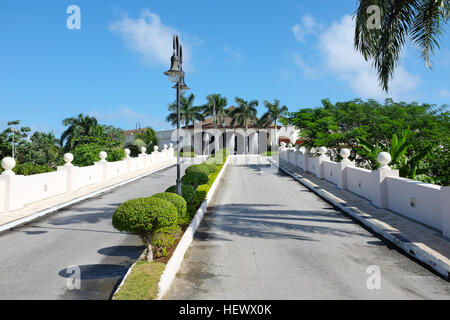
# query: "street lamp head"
{"type": "Point", "coordinates": [183, 85]}
{"type": "Point", "coordinates": [175, 72]}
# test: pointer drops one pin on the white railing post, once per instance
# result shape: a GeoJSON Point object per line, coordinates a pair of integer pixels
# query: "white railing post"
{"type": "Point", "coordinates": [143, 157]}
{"type": "Point", "coordinates": [103, 163]}
{"type": "Point", "coordinates": [165, 152]}
{"type": "Point", "coordinates": [70, 169]}
{"type": "Point", "coordinates": [11, 182]}
{"type": "Point", "coordinates": [380, 192]}
{"type": "Point", "coordinates": [128, 159]}
{"type": "Point", "coordinates": [342, 171]}
{"type": "Point", "coordinates": [155, 154]}
{"type": "Point", "coordinates": [171, 151]}
{"type": "Point", "coordinates": [322, 158]}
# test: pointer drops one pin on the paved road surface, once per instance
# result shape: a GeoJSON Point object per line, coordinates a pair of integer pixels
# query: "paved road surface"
{"type": "Point", "coordinates": [268, 237]}
{"type": "Point", "coordinates": [34, 258]}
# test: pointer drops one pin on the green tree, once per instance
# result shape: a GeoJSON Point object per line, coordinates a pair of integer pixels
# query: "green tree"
{"type": "Point", "coordinates": [188, 112]}
{"type": "Point", "coordinates": [43, 149]}
{"type": "Point", "coordinates": [148, 135]}
{"type": "Point", "coordinates": [419, 20]}
{"type": "Point", "coordinates": [215, 108]}
{"type": "Point", "coordinates": [244, 115]}
{"type": "Point", "coordinates": [272, 115]}
{"type": "Point", "coordinates": [79, 128]}
{"type": "Point", "coordinates": [343, 124]}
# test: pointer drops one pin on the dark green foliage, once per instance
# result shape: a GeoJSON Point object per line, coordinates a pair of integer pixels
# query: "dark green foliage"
{"type": "Point", "coordinates": [194, 179]}
{"type": "Point", "coordinates": [87, 154]}
{"type": "Point", "coordinates": [202, 168]}
{"type": "Point", "coordinates": [143, 216]}
{"type": "Point", "coordinates": [187, 192]}
{"type": "Point", "coordinates": [179, 203]}
{"type": "Point", "coordinates": [28, 169]}
{"type": "Point", "coordinates": [163, 239]}
{"type": "Point", "coordinates": [348, 124]}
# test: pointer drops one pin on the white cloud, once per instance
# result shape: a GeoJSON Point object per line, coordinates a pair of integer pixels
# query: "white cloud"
{"type": "Point", "coordinates": [341, 59]}
{"type": "Point", "coordinates": [149, 37]}
{"type": "Point", "coordinates": [236, 55]}
{"type": "Point", "coordinates": [308, 71]}
{"type": "Point", "coordinates": [307, 26]}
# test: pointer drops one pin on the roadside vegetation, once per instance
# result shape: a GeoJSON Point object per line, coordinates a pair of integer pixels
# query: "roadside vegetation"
{"type": "Point", "coordinates": [417, 136]}
{"type": "Point", "coordinates": [160, 221]}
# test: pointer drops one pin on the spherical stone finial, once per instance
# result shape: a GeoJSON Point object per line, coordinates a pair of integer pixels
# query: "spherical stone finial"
{"type": "Point", "coordinates": [127, 152]}
{"type": "Point", "coordinates": [8, 164]}
{"type": "Point", "coordinates": [170, 145]}
{"type": "Point", "coordinates": [283, 144]}
{"type": "Point", "coordinates": [302, 149]}
{"type": "Point", "coordinates": [290, 145]}
{"type": "Point", "coordinates": [143, 149]}
{"type": "Point", "coordinates": [384, 158]}
{"type": "Point", "coordinates": [345, 153]}
{"type": "Point", "coordinates": [103, 156]}
{"type": "Point", "coordinates": [155, 148]}
{"type": "Point", "coordinates": [165, 147]}
{"type": "Point", "coordinates": [322, 150]}
{"type": "Point", "coordinates": [68, 158]}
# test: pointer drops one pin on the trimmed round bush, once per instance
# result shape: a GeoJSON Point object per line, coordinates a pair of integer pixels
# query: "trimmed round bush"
{"type": "Point", "coordinates": [202, 168]}
{"type": "Point", "coordinates": [178, 202]}
{"type": "Point", "coordinates": [211, 164]}
{"type": "Point", "coordinates": [143, 216]}
{"type": "Point", "coordinates": [195, 179]}
{"type": "Point", "coordinates": [187, 192]}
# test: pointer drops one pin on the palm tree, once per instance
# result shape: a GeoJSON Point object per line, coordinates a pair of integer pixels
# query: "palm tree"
{"type": "Point", "coordinates": [244, 115]}
{"type": "Point", "coordinates": [274, 112]}
{"type": "Point", "coordinates": [420, 20]}
{"type": "Point", "coordinates": [148, 135]}
{"type": "Point", "coordinates": [188, 112]}
{"type": "Point", "coordinates": [78, 128]}
{"type": "Point", "coordinates": [216, 108]}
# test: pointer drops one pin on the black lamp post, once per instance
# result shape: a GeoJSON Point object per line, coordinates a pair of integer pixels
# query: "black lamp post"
{"type": "Point", "coordinates": [176, 74]}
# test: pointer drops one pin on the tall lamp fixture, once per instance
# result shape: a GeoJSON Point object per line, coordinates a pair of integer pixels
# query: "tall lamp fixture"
{"type": "Point", "coordinates": [176, 74]}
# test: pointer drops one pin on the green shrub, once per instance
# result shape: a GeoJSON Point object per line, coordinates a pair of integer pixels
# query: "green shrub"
{"type": "Point", "coordinates": [179, 203]}
{"type": "Point", "coordinates": [211, 164]}
{"type": "Point", "coordinates": [143, 216]}
{"type": "Point", "coordinates": [163, 240]}
{"type": "Point", "coordinates": [27, 169]}
{"type": "Point", "coordinates": [187, 192]}
{"type": "Point", "coordinates": [87, 154]}
{"type": "Point", "coordinates": [194, 179]}
{"type": "Point", "coordinates": [203, 168]}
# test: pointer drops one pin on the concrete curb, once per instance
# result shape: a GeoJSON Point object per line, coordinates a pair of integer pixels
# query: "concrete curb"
{"type": "Point", "coordinates": [174, 263]}
{"type": "Point", "coordinates": [376, 226]}
{"type": "Point", "coordinates": [39, 214]}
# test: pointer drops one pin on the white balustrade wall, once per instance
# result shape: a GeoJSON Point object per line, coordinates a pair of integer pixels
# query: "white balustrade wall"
{"type": "Point", "coordinates": [426, 203]}
{"type": "Point", "coordinates": [17, 191]}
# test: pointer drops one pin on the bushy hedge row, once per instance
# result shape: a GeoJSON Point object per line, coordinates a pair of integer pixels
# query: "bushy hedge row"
{"type": "Point", "coordinates": [159, 218]}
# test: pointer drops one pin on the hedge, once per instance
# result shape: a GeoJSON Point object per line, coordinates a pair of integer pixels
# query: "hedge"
{"type": "Point", "coordinates": [187, 192]}
{"type": "Point", "coordinates": [179, 203]}
{"type": "Point", "coordinates": [194, 179]}
{"type": "Point", "coordinates": [202, 168]}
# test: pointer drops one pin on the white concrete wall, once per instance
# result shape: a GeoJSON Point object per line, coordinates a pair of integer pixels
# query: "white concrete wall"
{"type": "Point", "coordinates": [42, 186]}
{"type": "Point", "coordinates": [383, 187]}
{"type": "Point", "coordinates": [330, 171]}
{"type": "Point", "coordinates": [359, 181]}
{"type": "Point", "coordinates": [426, 198]}
{"type": "Point", "coordinates": [17, 191]}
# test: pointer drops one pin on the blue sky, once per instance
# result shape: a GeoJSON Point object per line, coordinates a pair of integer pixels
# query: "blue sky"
{"type": "Point", "coordinates": [297, 51]}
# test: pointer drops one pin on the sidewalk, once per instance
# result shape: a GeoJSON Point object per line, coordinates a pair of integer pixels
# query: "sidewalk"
{"type": "Point", "coordinates": [417, 240]}
{"type": "Point", "coordinates": [38, 209]}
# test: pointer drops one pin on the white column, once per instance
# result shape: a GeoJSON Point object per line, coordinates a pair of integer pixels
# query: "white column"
{"type": "Point", "coordinates": [253, 143]}
{"type": "Point", "coordinates": [71, 173]}
{"type": "Point", "coordinates": [155, 155]}
{"type": "Point", "coordinates": [379, 185]}
{"type": "Point", "coordinates": [13, 196]}
{"type": "Point", "coordinates": [171, 151]}
{"type": "Point", "coordinates": [322, 158]}
{"type": "Point", "coordinates": [342, 171]}
{"type": "Point", "coordinates": [104, 164]}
